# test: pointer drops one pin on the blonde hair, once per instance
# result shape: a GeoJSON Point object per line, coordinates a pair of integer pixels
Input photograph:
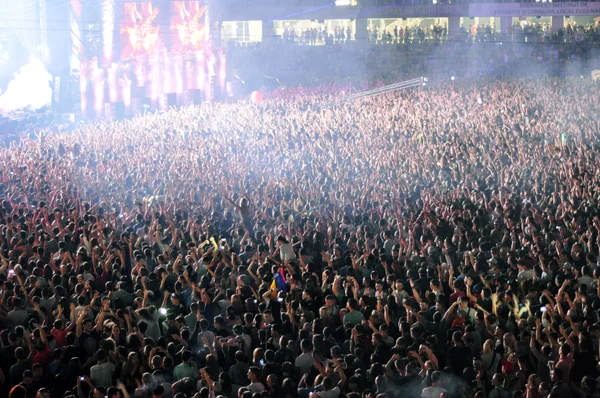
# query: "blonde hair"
{"type": "Point", "coordinates": [488, 346]}
{"type": "Point", "coordinates": [510, 343]}
{"type": "Point", "coordinates": [258, 354]}
{"type": "Point", "coordinates": [533, 381]}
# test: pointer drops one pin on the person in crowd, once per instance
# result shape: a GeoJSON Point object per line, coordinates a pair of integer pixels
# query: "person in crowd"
{"type": "Point", "coordinates": [438, 241]}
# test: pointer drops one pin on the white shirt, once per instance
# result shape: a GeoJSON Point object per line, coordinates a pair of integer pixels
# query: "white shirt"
{"type": "Point", "coordinates": [256, 387]}
{"type": "Point", "coordinates": [247, 344]}
{"type": "Point", "coordinates": [349, 228]}
{"type": "Point", "coordinates": [286, 251]}
{"type": "Point", "coordinates": [526, 274]}
{"type": "Point", "coordinates": [585, 280]}
{"type": "Point", "coordinates": [333, 393]}
{"type": "Point", "coordinates": [432, 392]}
{"type": "Point", "coordinates": [304, 362]}
{"type": "Point", "coordinates": [101, 374]}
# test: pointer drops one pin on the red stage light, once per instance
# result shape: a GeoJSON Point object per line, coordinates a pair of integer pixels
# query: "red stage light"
{"type": "Point", "coordinates": [139, 34]}
{"type": "Point", "coordinates": [188, 21]}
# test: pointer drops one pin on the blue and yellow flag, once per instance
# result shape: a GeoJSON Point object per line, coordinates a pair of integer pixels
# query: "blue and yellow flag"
{"type": "Point", "coordinates": [278, 283]}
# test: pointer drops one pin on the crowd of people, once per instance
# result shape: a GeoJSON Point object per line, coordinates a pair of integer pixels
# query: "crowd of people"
{"type": "Point", "coordinates": [522, 32]}
{"type": "Point", "coordinates": [441, 241]}
{"type": "Point", "coordinates": [398, 32]}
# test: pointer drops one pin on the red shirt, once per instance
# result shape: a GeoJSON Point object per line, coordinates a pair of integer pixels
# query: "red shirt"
{"type": "Point", "coordinates": [43, 357]}
{"type": "Point", "coordinates": [60, 336]}
{"type": "Point", "coordinates": [455, 296]}
{"type": "Point", "coordinates": [566, 364]}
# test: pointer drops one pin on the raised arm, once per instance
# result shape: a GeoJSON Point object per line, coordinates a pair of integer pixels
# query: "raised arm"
{"type": "Point", "coordinates": [450, 310]}
{"type": "Point", "coordinates": [79, 328]}
{"type": "Point", "coordinates": [432, 357]}
{"type": "Point", "coordinates": [389, 367]}
{"type": "Point", "coordinates": [340, 369]}
{"type": "Point", "coordinates": [336, 285]}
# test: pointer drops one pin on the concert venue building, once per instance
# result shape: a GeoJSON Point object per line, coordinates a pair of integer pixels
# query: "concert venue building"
{"type": "Point", "coordinates": [115, 58]}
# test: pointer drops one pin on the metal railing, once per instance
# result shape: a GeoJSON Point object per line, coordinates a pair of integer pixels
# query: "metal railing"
{"type": "Point", "coordinates": [378, 91]}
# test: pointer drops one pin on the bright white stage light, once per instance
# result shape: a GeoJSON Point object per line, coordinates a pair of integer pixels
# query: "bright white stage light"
{"type": "Point", "coordinates": [30, 88]}
{"type": "Point", "coordinates": [108, 26]}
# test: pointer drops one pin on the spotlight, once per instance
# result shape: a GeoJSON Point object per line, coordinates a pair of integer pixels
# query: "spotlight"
{"type": "Point", "coordinates": [434, 1]}
{"type": "Point", "coordinates": [452, 77]}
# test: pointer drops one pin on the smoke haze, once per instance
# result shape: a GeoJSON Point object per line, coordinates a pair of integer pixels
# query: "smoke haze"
{"type": "Point", "coordinates": [30, 88]}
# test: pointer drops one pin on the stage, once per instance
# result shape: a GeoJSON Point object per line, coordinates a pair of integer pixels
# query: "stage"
{"type": "Point", "coordinates": [162, 57]}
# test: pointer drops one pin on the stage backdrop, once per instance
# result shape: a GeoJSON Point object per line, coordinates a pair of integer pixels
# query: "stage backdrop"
{"type": "Point", "coordinates": [161, 56]}
{"type": "Point", "coordinates": [21, 19]}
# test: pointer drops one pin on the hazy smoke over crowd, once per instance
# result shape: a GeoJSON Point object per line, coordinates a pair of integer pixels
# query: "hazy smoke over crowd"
{"type": "Point", "coordinates": [30, 88]}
